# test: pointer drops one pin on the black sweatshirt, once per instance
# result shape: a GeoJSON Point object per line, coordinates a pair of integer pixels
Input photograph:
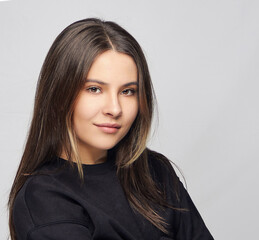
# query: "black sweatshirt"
{"type": "Point", "coordinates": [55, 206]}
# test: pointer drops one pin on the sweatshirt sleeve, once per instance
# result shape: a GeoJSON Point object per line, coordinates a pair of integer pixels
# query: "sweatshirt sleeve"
{"type": "Point", "coordinates": [60, 231]}
{"type": "Point", "coordinates": [191, 225]}
{"type": "Point", "coordinates": [45, 209]}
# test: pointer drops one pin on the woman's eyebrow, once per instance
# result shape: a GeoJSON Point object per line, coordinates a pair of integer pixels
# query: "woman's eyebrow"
{"type": "Point", "coordinates": [104, 83]}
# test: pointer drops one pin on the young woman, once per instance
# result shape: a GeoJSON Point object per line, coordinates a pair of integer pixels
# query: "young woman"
{"type": "Point", "coordinates": [86, 172]}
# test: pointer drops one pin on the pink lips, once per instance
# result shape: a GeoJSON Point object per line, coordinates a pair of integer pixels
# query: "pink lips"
{"type": "Point", "coordinates": [108, 127]}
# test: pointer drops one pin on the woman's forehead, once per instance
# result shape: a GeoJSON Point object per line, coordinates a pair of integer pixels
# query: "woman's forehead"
{"type": "Point", "coordinates": [113, 67]}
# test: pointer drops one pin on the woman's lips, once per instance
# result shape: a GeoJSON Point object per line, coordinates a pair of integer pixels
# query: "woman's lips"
{"type": "Point", "coordinates": [108, 129]}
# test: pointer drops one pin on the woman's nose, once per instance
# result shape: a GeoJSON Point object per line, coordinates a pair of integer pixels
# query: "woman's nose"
{"type": "Point", "coordinates": [113, 105]}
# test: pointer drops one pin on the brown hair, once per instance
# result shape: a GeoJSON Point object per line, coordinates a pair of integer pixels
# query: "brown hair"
{"type": "Point", "coordinates": [61, 78]}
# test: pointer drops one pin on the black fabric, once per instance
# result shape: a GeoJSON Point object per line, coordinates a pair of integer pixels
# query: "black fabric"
{"type": "Point", "coordinates": [56, 206]}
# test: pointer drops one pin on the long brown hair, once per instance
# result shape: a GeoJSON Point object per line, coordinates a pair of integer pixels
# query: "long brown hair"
{"type": "Point", "coordinates": [61, 78]}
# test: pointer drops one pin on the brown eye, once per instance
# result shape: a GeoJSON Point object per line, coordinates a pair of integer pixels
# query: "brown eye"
{"type": "Point", "coordinates": [93, 89]}
{"type": "Point", "coordinates": [133, 91]}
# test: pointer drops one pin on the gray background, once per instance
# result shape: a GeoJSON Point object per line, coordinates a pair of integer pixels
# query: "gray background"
{"type": "Point", "coordinates": [203, 59]}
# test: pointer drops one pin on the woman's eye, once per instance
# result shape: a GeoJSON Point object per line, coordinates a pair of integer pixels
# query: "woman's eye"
{"type": "Point", "coordinates": [133, 91]}
{"type": "Point", "coordinates": [127, 92]}
{"type": "Point", "coordinates": [92, 89]}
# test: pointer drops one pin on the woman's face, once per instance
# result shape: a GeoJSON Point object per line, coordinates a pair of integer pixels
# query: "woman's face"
{"type": "Point", "coordinates": [113, 100]}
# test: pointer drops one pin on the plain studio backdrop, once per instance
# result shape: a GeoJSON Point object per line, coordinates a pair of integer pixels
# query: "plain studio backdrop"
{"type": "Point", "coordinates": [203, 60]}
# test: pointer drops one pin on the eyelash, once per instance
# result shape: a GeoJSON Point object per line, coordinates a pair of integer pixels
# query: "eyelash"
{"type": "Point", "coordinates": [131, 89]}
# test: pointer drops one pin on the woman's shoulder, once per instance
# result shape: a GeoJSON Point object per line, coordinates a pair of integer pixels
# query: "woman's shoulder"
{"type": "Point", "coordinates": [159, 164]}
{"type": "Point", "coordinates": [40, 192]}
{"type": "Point", "coordinates": [163, 171]}
{"type": "Point", "coordinates": [43, 200]}
{"type": "Point", "coordinates": [38, 186]}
